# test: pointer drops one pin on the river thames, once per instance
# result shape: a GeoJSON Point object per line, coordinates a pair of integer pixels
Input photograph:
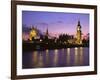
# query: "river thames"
{"type": "Point", "coordinates": [78, 56]}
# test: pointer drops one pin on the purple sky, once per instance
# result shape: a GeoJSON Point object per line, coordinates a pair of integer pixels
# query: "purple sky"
{"type": "Point", "coordinates": [56, 22]}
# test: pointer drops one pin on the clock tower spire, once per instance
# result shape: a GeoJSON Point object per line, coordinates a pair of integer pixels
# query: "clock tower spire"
{"type": "Point", "coordinates": [79, 33]}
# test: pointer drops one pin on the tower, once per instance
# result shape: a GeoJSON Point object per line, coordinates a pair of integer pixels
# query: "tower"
{"type": "Point", "coordinates": [32, 33]}
{"type": "Point", "coordinates": [79, 34]}
{"type": "Point", "coordinates": [47, 32]}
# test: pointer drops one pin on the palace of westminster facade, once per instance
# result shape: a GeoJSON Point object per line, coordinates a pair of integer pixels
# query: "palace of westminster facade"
{"type": "Point", "coordinates": [78, 39]}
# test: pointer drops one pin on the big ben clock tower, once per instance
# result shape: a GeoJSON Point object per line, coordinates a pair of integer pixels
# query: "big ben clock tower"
{"type": "Point", "coordinates": [79, 34]}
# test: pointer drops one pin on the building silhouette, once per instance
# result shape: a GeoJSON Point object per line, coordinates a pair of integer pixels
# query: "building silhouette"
{"type": "Point", "coordinates": [46, 34]}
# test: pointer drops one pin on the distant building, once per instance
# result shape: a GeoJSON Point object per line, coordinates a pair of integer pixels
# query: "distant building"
{"type": "Point", "coordinates": [79, 34]}
{"type": "Point", "coordinates": [47, 33]}
{"type": "Point", "coordinates": [33, 33]}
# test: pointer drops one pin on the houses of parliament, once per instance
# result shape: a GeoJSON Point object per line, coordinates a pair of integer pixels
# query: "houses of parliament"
{"type": "Point", "coordinates": [77, 40]}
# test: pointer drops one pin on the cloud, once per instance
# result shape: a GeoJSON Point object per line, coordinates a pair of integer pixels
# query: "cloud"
{"type": "Point", "coordinates": [42, 23]}
{"type": "Point", "coordinates": [59, 21]}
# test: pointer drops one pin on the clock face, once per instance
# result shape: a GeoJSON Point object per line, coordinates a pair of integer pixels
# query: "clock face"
{"type": "Point", "coordinates": [78, 28]}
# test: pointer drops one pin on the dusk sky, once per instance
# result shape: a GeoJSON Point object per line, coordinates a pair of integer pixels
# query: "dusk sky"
{"type": "Point", "coordinates": [56, 22]}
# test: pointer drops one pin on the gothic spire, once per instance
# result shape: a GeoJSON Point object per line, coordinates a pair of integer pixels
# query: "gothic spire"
{"type": "Point", "coordinates": [79, 23]}
{"type": "Point", "coordinates": [47, 32]}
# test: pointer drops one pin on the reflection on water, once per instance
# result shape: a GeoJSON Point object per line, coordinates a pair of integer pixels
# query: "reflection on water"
{"type": "Point", "coordinates": [40, 61]}
{"type": "Point", "coordinates": [76, 56]}
{"type": "Point", "coordinates": [34, 58]}
{"type": "Point", "coordinates": [81, 56]}
{"type": "Point", "coordinates": [56, 58]}
{"type": "Point", "coordinates": [47, 56]}
{"type": "Point", "coordinates": [68, 56]}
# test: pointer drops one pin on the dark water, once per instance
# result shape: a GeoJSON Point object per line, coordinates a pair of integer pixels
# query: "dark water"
{"type": "Point", "coordinates": [56, 58]}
